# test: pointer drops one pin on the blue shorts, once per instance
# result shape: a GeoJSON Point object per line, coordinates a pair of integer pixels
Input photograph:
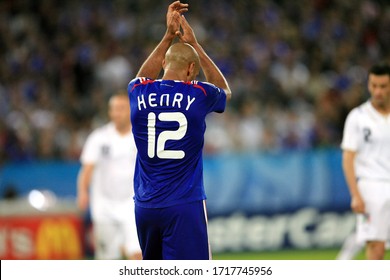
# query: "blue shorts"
{"type": "Point", "coordinates": [173, 233]}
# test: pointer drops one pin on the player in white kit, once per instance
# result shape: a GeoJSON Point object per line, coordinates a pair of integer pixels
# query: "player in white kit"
{"type": "Point", "coordinates": [106, 182]}
{"type": "Point", "coordinates": [366, 162]}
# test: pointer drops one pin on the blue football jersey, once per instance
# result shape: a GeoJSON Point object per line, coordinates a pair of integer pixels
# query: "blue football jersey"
{"type": "Point", "coordinates": [168, 122]}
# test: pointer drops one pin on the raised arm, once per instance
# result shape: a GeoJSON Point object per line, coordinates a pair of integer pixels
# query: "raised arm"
{"type": "Point", "coordinates": [153, 64]}
{"type": "Point", "coordinates": [211, 71]}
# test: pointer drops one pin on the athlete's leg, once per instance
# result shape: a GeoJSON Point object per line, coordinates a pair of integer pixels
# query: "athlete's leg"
{"type": "Point", "coordinates": [130, 246]}
{"type": "Point", "coordinates": [185, 232]}
{"type": "Point", "coordinates": [351, 247]}
{"type": "Point", "coordinates": [149, 232]}
{"type": "Point", "coordinates": [373, 226]}
{"type": "Point", "coordinates": [375, 250]}
{"type": "Point", "coordinates": [107, 240]}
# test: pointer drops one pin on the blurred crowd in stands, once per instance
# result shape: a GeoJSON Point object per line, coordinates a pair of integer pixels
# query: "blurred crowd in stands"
{"type": "Point", "coordinates": [295, 68]}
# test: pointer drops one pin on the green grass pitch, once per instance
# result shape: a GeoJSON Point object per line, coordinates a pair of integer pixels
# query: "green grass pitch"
{"type": "Point", "coordinates": [313, 254]}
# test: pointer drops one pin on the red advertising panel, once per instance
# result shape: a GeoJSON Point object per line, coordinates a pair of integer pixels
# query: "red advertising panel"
{"type": "Point", "coordinates": [54, 236]}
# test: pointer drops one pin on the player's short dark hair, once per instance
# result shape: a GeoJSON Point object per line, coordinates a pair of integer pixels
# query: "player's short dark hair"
{"type": "Point", "coordinates": [380, 69]}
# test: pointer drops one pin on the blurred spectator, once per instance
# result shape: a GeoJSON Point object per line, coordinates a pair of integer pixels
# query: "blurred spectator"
{"type": "Point", "coordinates": [10, 192]}
{"type": "Point", "coordinates": [295, 68]}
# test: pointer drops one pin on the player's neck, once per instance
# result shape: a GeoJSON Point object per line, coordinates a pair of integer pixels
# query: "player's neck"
{"type": "Point", "coordinates": [123, 130]}
{"type": "Point", "coordinates": [383, 110]}
{"type": "Point", "coordinates": [173, 75]}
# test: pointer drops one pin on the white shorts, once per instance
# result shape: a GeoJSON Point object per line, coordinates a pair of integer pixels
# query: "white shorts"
{"type": "Point", "coordinates": [114, 230]}
{"type": "Point", "coordinates": [374, 225]}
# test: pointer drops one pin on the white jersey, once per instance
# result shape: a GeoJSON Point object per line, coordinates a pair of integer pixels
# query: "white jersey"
{"type": "Point", "coordinates": [113, 156]}
{"type": "Point", "coordinates": [367, 132]}
{"type": "Point", "coordinates": [112, 205]}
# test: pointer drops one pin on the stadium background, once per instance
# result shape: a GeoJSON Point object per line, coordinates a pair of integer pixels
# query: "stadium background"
{"type": "Point", "coordinates": [272, 160]}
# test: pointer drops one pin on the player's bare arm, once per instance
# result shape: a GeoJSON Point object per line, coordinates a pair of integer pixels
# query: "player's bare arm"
{"type": "Point", "coordinates": [211, 71]}
{"type": "Point", "coordinates": [83, 182]}
{"type": "Point", "coordinates": [153, 64]}
{"type": "Point", "coordinates": [357, 203]}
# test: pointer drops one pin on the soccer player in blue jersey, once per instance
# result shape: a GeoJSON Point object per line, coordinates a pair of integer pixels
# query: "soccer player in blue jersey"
{"type": "Point", "coordinates": [168, 117]}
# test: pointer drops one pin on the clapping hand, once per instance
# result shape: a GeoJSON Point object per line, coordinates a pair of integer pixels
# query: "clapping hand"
{"type": "Point", "coordinates": [175, 10]}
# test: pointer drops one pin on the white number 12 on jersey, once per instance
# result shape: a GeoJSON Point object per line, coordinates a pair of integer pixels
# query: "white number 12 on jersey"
{"type": "Point", "coordinates": [166, 135]}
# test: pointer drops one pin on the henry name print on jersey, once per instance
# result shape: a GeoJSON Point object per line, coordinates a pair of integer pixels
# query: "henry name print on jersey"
{"type": "Point", "coordinates": [168, 120]}
{"type": "Point", "coordinates": [153, 100]}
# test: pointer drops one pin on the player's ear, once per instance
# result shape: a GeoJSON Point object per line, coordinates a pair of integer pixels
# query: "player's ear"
{"type": "Point", "coordinates": [191, 69]}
